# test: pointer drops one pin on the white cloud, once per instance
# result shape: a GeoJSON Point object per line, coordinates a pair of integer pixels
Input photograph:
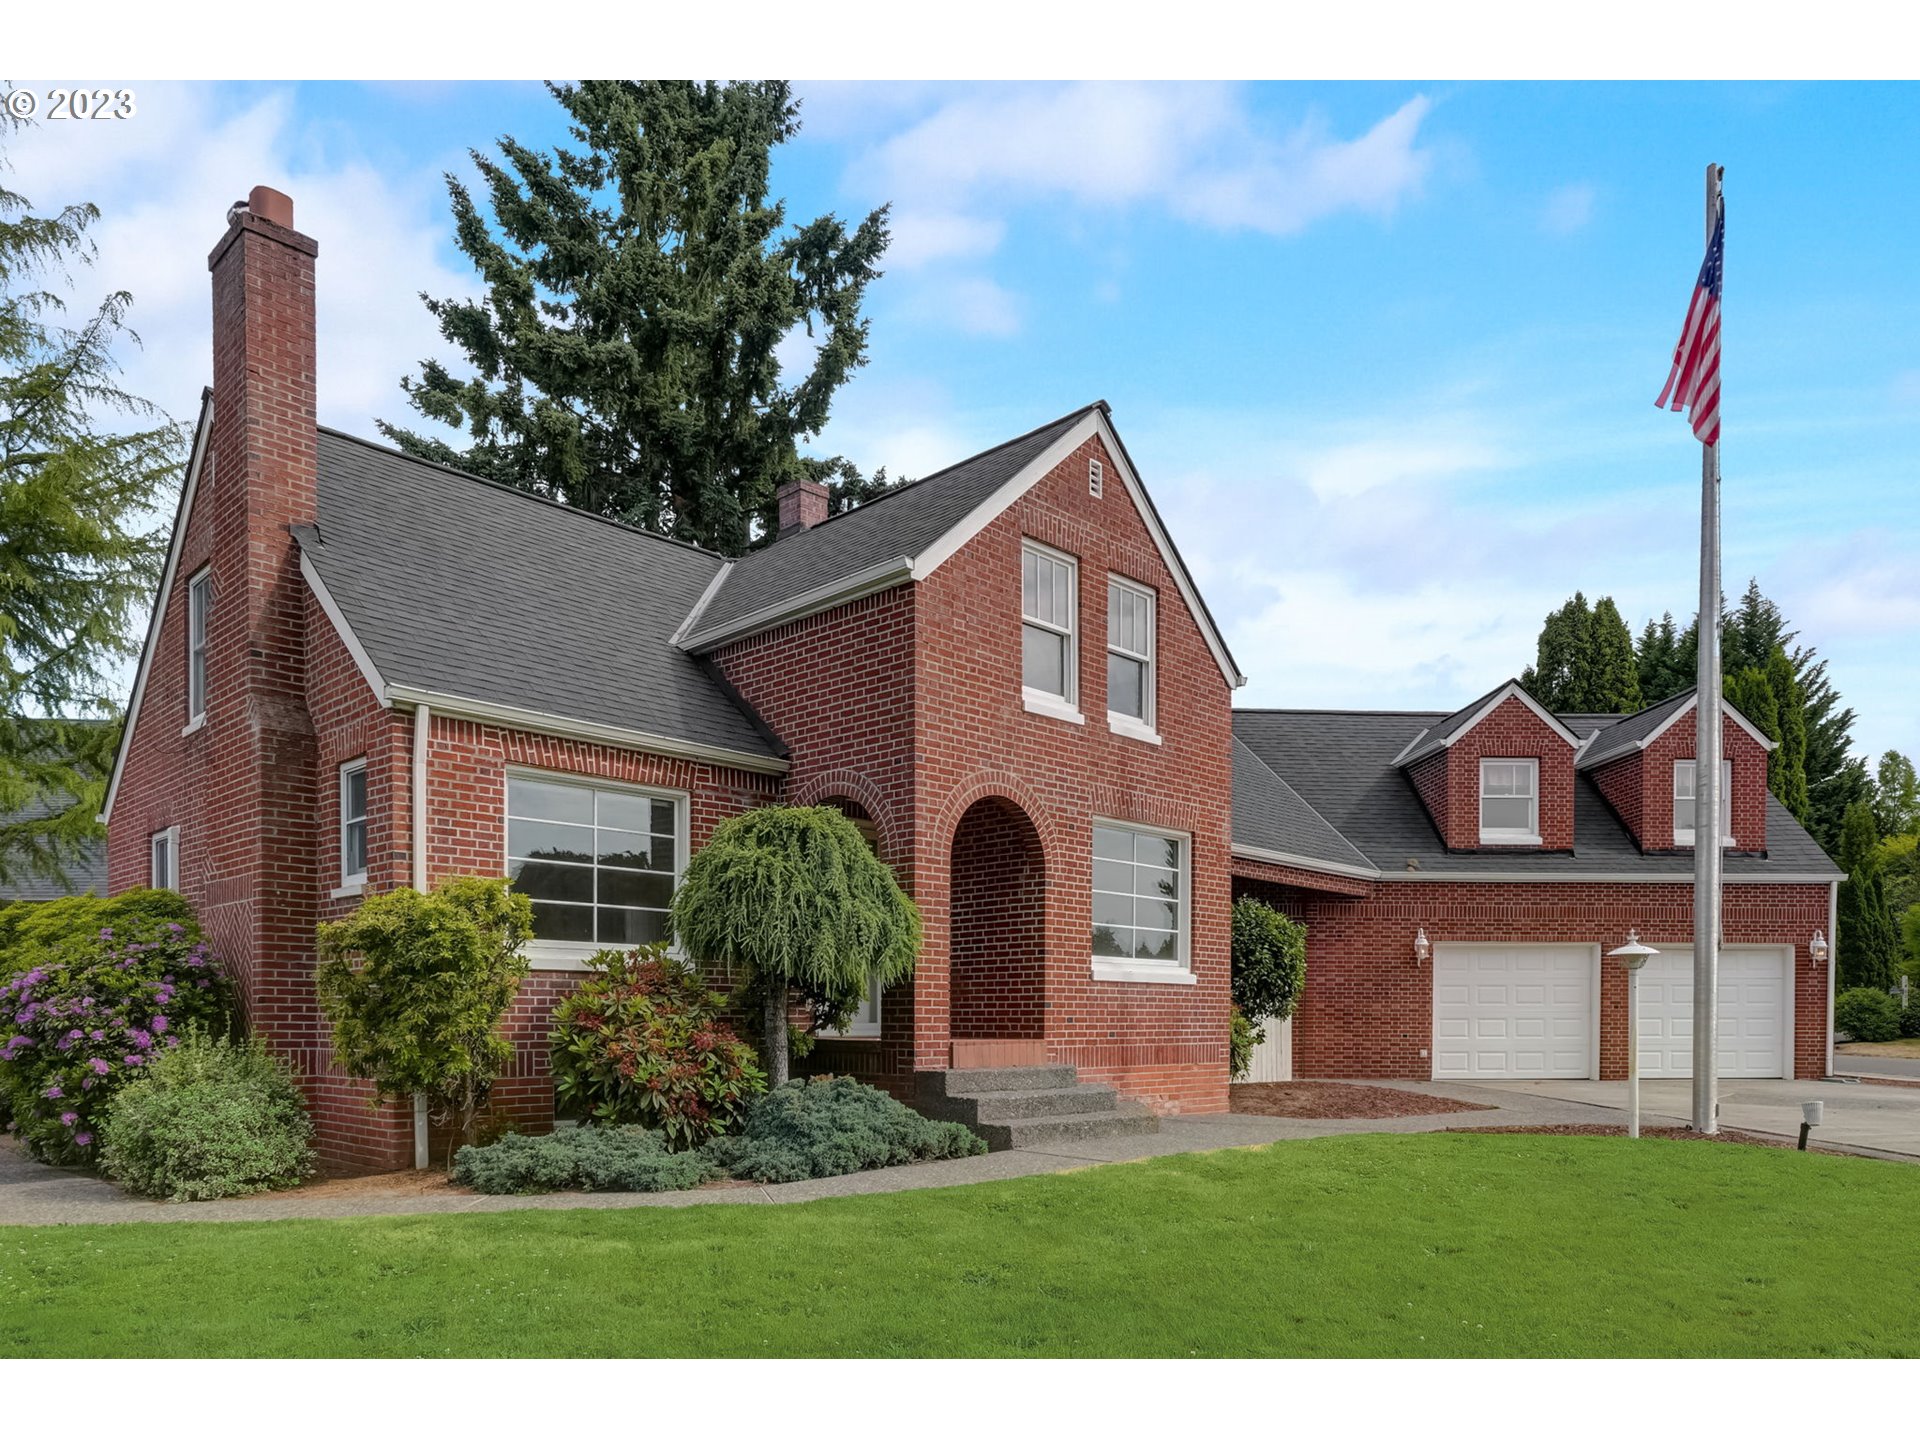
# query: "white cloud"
{"type": "Point", "coordinates": [1568, 209]}
{"type": "Point", "coordinates": [919, 238]}
{"type": "Point", "coordinates": [163, 184]}
{"type": "Point", "coordinates": [1906, 387]}
{"type": "Point", "coordinates": [971, 304]}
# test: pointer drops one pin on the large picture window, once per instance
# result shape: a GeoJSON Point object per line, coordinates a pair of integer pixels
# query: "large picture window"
{"type": "Point", "coordinates": [1049, 586]}
{"type": "Point", "coordinates": [1684, 802]}
{"type": "Point", "coordinates": [599, 863]}
{"type": "Point", "coordinates": [1139, 896]}
{"type": "Point", "coordinates": [1510, 802]}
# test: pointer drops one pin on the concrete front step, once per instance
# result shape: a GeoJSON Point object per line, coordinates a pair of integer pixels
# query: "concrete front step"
{"type": "Point", "coordinates": [1043, 1130]}
{"type": "Point", "coordinates": [952, 1083]}
{"type": "Point", "coordinates": [1021, 1104]}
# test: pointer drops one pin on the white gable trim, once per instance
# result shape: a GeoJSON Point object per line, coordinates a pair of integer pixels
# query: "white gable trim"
{"type": "Point", "coordinates": [987, 511]}
{"type": "Point", "coordinates": [1410, 746]}
{"type": "Point", "coordinates": [1693, 704]}
{"type": "Point", "coordinates": [871, 581]}
{"type": "Point", "coordinates": [342, 628]}
{"type": "Point", "coordinates": [692, 619]}
{"type": "Point", "coordinates": [1499, 697]}
{"type": "Point", "coordinates": [202, 431]}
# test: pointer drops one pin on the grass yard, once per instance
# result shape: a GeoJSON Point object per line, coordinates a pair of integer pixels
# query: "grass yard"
{"type": "Point", "coordinates": [1374, 1245]}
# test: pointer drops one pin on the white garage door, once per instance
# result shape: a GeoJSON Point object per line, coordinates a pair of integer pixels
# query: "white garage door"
{"type": "Point", "coordinates": [1513, 1012]}
{"type": "Point", "coordinates": [1753, 1012]}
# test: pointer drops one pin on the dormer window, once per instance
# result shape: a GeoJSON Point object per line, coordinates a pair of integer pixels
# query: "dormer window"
{"type": "Point", "coordinates": [1049, 605]}
{"type": "Point", "coordinates": [1509, 802]}
{"type": "Point", "coordinates": [1684, 801]}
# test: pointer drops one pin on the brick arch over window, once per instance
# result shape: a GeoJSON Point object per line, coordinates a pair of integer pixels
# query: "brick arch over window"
{"type": "Point", "coordinates": [829, 786]}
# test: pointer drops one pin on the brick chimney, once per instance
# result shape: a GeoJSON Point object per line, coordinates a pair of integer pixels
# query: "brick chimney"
{"type": "Point", "coordinates": [803, 505]}
{"type": "Point", "coordinates": [259, 744]}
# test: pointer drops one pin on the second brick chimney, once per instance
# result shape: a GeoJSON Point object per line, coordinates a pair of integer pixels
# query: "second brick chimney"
{"type": "Point", "coordinates": [803, 505]}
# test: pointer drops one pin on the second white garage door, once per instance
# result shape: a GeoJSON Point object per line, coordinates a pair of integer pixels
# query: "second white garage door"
{"type": "Point", "coordinates": [1513, 1012]}
{"type": "Point", "coordinates": [1754, 1010]}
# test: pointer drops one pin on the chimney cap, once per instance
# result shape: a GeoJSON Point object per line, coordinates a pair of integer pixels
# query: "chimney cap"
{"type": "Point", "coordinates": [271, 205]}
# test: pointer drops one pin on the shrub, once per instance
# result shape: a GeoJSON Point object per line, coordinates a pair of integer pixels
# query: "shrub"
{"type": "Point", "coordinates": [1867, 1014]}
{"type": "Point", "coordinates": [212, 1118]}
{"type": "Point", "coordinates": [587, 1157]}
{"type": "Point", "coordinates": [1269, 956]}
{"type": "Point", "coordinates": [74, 1030]}
{"type": "Point", "coordinates": [834, 1126]}
{"type": "Point", "coordinates": [1910, 1019]}
{"type": "Point", "coordinates": [1242, 1041]}
{"type": "Point", "coordinates": [796, 897]}
{"type": "Point", "coordinates": [641, 1042]}
{"type": "Point", "coordinates": [70, 929]}
{"type": "Point", "coordinates": [420, 1012]}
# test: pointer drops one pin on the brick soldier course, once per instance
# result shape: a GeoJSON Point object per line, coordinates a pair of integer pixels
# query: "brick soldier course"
{"type": "Point", "coordinates": [455, 636]}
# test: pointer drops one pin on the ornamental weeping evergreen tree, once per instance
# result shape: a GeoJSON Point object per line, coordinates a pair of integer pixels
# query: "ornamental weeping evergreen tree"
{"type": "Point", "coordinates": [81, 464]}
{"type": "Point", "coordinates": [796, 897]}
{"type": "Point", "coordinates": [638, 285]}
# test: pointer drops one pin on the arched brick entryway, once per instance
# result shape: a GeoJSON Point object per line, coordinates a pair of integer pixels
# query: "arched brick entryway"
{"type": "Point", "coordinates": [997, 925]}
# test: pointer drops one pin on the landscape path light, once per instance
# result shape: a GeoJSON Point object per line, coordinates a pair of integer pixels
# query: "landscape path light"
{"type": "Point", "coordinates": [1633, 955]}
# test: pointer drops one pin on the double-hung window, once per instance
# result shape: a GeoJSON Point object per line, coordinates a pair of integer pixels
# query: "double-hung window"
{"type": "Point", "coordinates": [163, 858]}
{"type": "Point", "coordinates": [353, 823]}
{"type": "Point", "coordinates": [600, 862]}
{"type": "Point", "coordinates": [199, 607]}
{"type": "Point", "coordinates": [1130, 667]}
{"type": "Point", "coordinates": [1684, 800]}
{"type": "Point", "coordinates": [1049, 593]}
{"type": "Point", "coordinates": [1140, 887]}
{"type": "Point", "coordinates": [1509, 802]}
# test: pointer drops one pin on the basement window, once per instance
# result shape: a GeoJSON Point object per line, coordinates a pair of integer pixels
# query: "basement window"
{"type": "Point", "coordinates": [1509, 802]}
{"type": "Point", "coordinates": [1684, 799]}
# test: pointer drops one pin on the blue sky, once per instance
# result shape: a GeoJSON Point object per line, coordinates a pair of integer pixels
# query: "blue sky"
{"type": "Point", "coordinates": [1385, 353]}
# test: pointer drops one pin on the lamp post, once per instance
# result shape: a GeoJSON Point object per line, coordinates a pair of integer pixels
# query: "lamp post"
{"type": "Point", "coordinates": [1633, 955]}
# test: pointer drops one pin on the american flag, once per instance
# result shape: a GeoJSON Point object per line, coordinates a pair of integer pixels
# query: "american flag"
{"type": "Point", "coordinates": [1695, 379]}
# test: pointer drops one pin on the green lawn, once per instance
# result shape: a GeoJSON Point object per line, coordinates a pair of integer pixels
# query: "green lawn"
{"type": "Point", "coordinates": [1370, 1245]}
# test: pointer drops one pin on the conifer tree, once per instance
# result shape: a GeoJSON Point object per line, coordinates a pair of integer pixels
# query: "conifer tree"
{"type": "Point", "coordinates": [638, 284]}
{"type": "Point", "coordinates": [1867, 945]}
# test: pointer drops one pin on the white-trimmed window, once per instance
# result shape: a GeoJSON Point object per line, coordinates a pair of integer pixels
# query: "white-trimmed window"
{"type": "Point", "coordinates": [1130, 642]}
{"type": "Point", "coordinates": [865, 1022]}
{"type": "Point", "coordinates": [599, 860]}
{"type": "Point", "coordinates": [163, 859]}
{"type": "Point", "coordinates": [353, 823]}
{"type": "Point", "coordinates": [1049, 596]}
{"type": "Point", "coordinates": [1510, 802]}
{"type": "Point", "coordinates": [1684, 799]}
{"type": "Point", "coordinates": [199, 607]}
{"type": "Point", "coordinates": [1140, 888]}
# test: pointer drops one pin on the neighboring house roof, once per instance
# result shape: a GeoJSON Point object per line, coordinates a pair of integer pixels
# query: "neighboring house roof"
{"type": "Point", "coordinates": [1272, 822]}
{"type": "Point", "coordinates": [88, 872]}
{"type": "Point", "coordinates": [1344, 764]}
{"type": "Point", "coordinates": [909, 533]}
{"type": "Point", "coordinates": [1444, 731]}
{"type": "Point", "coordinates": [456, 588]}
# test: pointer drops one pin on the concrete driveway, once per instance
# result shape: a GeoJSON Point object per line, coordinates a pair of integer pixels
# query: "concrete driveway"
{"type": "Point", "coordinates": [1882, 1118]}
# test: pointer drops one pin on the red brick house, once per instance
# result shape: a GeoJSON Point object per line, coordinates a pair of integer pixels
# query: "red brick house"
{"type": "Point", "coordinates": [365, 671]}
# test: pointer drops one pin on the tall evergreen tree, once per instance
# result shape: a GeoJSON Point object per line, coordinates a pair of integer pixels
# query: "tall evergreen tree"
{"type": "Point", "coordinates": [1867, 944]}
{"type": "Point", "coordinates": [1787, 766]}
{"type": "Point", "coordinates": [81, 463]}
{"type": "Point", "coordinates": [637, 288]}
{"type": "Point", "coordinates": [1613, 677]}
{"type": "Point", "coordinates": [1896, 805]}
{"type": "Point", "coordinates": [1664, 670]}
{"type": "Point", "coordinates": [1584, 660]}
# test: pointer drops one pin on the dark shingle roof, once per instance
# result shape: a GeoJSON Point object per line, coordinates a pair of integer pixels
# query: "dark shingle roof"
{"type": "Point", "coordinates": [1436, 735]}
{"type": "Point", "coordinates": [453, 585]}
{"type": "Point", "coordinates": [895, 527]}
{"type": "Point", "coordinates": [88, 872]}
{"type": "Point", "coordinates": [1618, 739]}
{"type": "Point", "coordinates": [1341, 762]}
{"type": "Point", "coordinates": [1268, 814]}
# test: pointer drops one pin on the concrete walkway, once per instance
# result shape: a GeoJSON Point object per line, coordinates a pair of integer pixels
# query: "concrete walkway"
{"type": "Point", "coordinates": [33, 1194]}
{"type": "Point", "coordinates": [1871, 1119]}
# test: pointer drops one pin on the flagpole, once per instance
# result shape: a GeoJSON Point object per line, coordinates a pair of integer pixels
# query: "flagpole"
{"type": "Point", "coordinates": [1706, 776]}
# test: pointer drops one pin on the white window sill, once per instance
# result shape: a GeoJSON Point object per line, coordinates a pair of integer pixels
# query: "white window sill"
{"type": "Point", "coordinates": [1133, 729]}
{"type": "Point", "coordinates": [198, 722]}
{"type": "Point", "coordinates": [1497, 838]}
{"type": "Point", "coordinates": [1685, 842]}
{"type": "Point", "coordinates": [572, 956]}
{"type": "Point", "coordinates": [352, 887]}
{"type": "Point", "coordinates": [1039, 702]}
{"type": "Point", "coordinates": [1136, 973]}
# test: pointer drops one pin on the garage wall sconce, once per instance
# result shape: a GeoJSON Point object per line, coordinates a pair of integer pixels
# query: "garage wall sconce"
{"type": "Point", "coordinates": [1817, 948]}
{"type": "Point", "coordinates": [1422, 948]}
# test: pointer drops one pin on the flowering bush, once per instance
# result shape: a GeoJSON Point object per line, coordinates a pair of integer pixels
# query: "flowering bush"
{"type": "Point", "coordinates": [641, 1042]}
{"type": "Point", "coordinates": [73, 1031]}
{"type": "Point", "coordinates": [210, 1119]}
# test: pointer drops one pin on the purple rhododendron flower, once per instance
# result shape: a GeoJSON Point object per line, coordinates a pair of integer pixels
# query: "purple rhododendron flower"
{"type": "Point", "coordinates": [141, 1039]}
{"type": "Point", "coordinates": [83, 1139]}
{"type": "Point", "coordinates": [100, 1067]}
{"type": "Point", "coordinates": [54, 1092]}
{"type": "Point", "coordinates": [70, 1118]}
{"type": "Point", "coordinates": [98, 1035]}
{"type": "Point", "coordinates": [159, 1024]}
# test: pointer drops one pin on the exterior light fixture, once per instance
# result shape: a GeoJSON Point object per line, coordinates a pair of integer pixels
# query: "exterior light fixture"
{"type": "Point", "coordinates": [1817, 948]}
{"type": "Point", "coordinates": [1422, 947]}
{"type": "Point", "coordinates": [1633, 955]}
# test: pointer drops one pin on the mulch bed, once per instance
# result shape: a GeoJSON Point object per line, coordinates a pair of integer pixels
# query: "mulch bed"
{"type": "Point", "coordinates": [1647, 1132]}
{"type": "Point", "coordinates": [1336, 1100]}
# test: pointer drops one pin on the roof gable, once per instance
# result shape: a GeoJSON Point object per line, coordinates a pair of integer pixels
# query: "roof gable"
{"type": "Point", "coordinates": [1444, 732]}
{"type": "Point", "coordinates": [1640, 729]}
{"type": "Point", "coordinates": [911, 533]}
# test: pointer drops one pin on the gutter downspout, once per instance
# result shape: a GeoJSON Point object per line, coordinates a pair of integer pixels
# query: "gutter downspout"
{"type": "Point", "coordinates": [1833, 959]}
{"type": "Point", "coordinates": [422, 730]}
